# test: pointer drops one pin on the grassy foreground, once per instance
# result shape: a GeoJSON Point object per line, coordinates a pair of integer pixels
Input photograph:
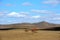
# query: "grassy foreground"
{"type": "Point", "coordinates": [21, 35]}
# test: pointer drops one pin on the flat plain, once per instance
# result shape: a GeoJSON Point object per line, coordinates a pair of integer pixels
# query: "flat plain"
{"type": "Point", "coordinates": [22, 35]}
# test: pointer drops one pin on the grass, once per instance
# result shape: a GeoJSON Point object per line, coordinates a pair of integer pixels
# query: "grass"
{"type": "Point", "coordinates": [21, 35]}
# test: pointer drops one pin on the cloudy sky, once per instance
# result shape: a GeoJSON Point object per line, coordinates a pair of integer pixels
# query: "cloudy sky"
{"type": "Point", "coordinates": [20, 11]}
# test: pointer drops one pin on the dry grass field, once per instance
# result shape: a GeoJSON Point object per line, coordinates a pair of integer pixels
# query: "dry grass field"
{"type": "Point", "coordinates": [21, 35]}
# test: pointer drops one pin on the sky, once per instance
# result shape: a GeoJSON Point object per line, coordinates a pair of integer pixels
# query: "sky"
{"type": "Point", "coordinates": [29, 11]}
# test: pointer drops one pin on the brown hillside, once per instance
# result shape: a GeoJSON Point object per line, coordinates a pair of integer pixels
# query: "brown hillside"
{"type": "Point", "coordinates": [40, 25]}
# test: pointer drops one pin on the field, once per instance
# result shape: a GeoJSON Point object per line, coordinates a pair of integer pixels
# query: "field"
{"type": "Point", "coordinates": [22, 35]}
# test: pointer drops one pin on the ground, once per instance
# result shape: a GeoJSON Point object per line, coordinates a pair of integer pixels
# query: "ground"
{"type": "Point", "coordinates": [22, 35]}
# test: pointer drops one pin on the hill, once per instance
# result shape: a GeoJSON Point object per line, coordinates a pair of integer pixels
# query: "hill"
{"type": "Point", "coordinates": [40, 25]}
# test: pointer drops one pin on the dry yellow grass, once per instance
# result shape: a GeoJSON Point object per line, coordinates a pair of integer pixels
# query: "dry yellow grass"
{"type": "Point", "coordinates": [21, 35]}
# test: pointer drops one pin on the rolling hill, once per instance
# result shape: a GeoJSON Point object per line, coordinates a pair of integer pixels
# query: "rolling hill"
{"type": "Point", "coordinates": [40, 25]}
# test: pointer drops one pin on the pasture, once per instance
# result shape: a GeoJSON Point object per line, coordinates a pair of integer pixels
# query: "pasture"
{"type": "Point", "coordinates": [22, 35]}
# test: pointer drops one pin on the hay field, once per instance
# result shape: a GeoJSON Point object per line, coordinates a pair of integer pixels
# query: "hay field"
{"type": "Point", "coordinates": [21, 35]}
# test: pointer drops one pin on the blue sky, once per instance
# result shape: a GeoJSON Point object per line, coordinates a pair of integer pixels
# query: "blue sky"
{"type": "Point", "coordinates": [20, 11]}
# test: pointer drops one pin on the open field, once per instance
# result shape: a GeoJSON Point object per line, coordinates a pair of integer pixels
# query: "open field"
{"type": "Point", "coordinates": [21, 35]}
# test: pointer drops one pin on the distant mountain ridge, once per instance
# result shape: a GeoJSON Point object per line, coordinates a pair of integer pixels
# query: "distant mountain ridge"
{"type": "Point", "coordinates": [40, 25]}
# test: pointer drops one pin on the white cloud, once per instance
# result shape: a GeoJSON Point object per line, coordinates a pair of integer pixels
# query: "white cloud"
{"type": "Point", "coordinates": [56, 18]}
{"type": "Point", "coordinates": [15, 14]}
{"type": "Point", "coordinates": [26, 4]}
{"type": "Point", "coordinates": [25, 13]}
{"type": "Point", "coordinates": [55, 15]}
{"type": "Point", "coordinates": [53, 2]}
{"type": "Point", "coordinates": [2, 13]}
{"type": "Point", "coordinates": [36, 17]}
{"type": "Point", "coordinates": [41, 11]}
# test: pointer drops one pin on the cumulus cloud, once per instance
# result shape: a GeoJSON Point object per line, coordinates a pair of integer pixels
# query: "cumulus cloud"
{"type": "Point", "coordinates": [41, 11]}
{"type": "Point", "coordinates": [15, 14]}
{"type": "Point", "coordinates": [25, 13]}
{"type": "Point", "coordinates": [26, 4]}
{"type": "Point", "coordinates": [53, 2]}
{"type": "Point", "coordinates": [36, 17]}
